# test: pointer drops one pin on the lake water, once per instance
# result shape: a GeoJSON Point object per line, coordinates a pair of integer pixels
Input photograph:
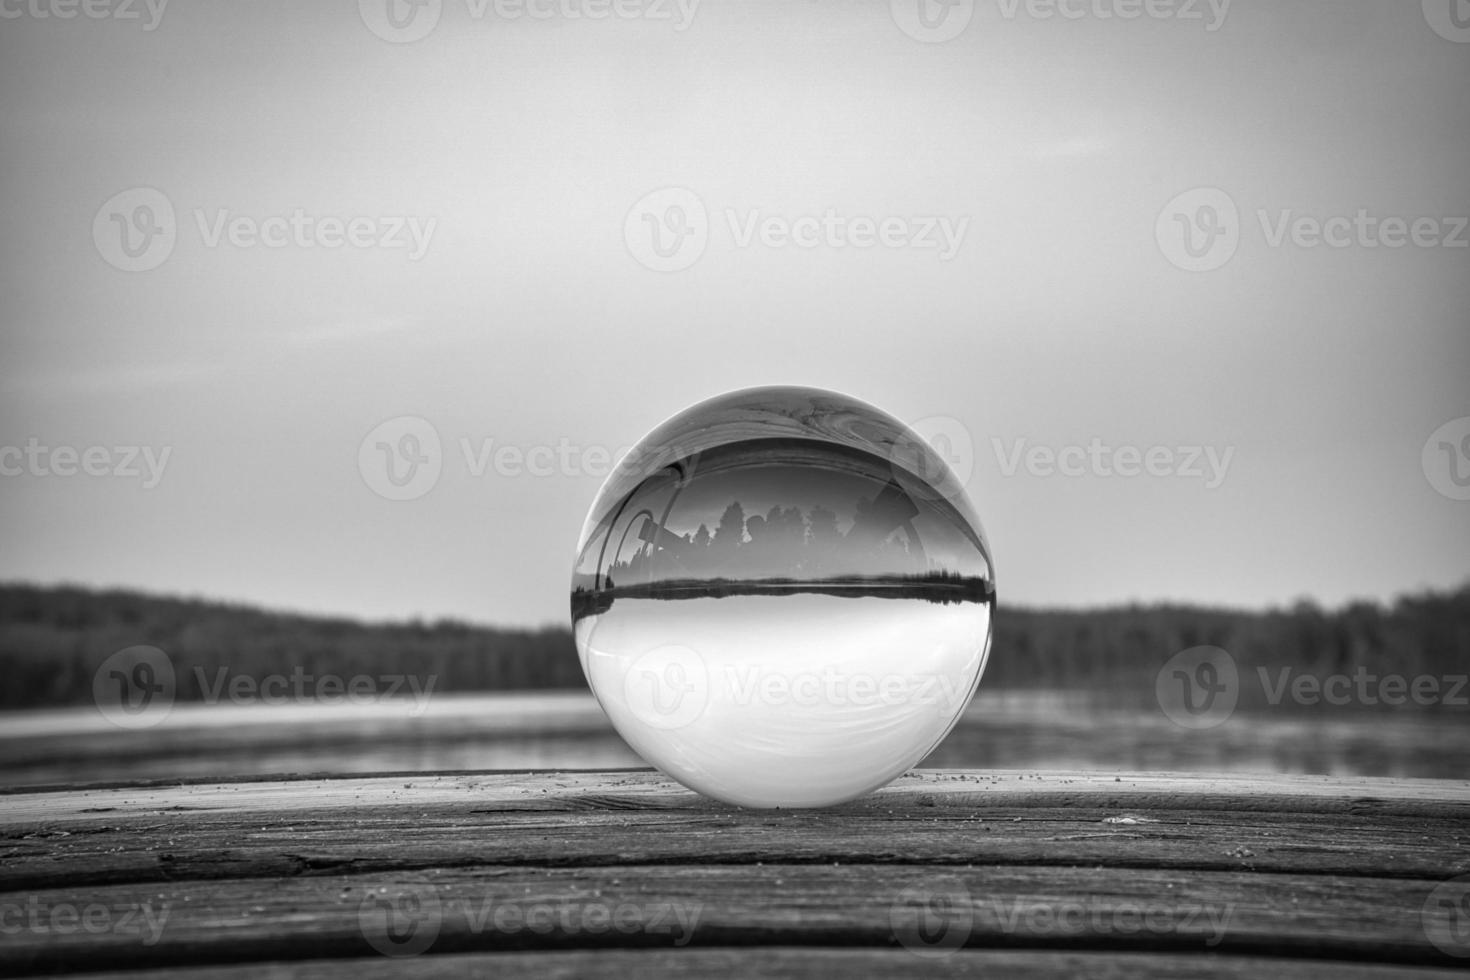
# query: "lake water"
{"type": "Point", "coordinates": [1000, 730]}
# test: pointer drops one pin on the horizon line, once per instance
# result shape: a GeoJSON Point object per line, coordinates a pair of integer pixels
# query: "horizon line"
{"type": "Point", "coordinates": [246, 605]}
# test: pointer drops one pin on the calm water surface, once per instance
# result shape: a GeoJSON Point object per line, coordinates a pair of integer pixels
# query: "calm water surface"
{"type": "Point", "coordinates": [1006, 730]}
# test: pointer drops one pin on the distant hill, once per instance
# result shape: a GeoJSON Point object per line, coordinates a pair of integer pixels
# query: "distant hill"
{"type": "Point", "coordinates": [52, 640]}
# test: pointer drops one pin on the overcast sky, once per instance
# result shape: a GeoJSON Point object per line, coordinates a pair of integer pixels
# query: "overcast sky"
{"type": "Point", "coordinates": [985, 232]}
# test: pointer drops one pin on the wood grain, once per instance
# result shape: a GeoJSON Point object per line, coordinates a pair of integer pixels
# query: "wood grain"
{"type": "Point", "coordinates": [1216, 872]}
{"type": "Point", "coordinates": [797, 963]}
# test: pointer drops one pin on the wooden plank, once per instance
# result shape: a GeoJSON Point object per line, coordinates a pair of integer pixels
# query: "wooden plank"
{"type": "Point", "coordinates": [457, 910]}
{"type": "Point", "coordinates": [798, 963]}
{"type": "Point", "coordinates": [179, 845]}
{"type": "Point", "coordinates": [296, 827]}
{"type": "Point", "coordinates": [174, 833]}
{"type": "Point", "coordinates": [283, 870]}
{"type": "Point", "coordinates": [641, 788]}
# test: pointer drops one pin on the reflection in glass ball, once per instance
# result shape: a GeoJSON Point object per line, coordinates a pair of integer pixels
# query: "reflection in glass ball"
{"type": "Point", "coordinates": [783, 597]}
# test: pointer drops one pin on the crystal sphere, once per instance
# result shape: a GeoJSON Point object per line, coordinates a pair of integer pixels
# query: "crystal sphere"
{"type": "Point", "coordinates": [782, 597]}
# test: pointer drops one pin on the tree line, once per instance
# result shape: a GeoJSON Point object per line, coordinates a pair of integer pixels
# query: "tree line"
{"type": "Point", "coordinates": [54, 639]}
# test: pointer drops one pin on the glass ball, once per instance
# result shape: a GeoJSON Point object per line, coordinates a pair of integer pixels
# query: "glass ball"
{"type": "Point", "coordinates": [782, 597]}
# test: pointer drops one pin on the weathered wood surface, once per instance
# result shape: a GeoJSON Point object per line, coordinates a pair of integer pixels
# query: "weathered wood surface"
{"type": "Point", "coordinates": [1148, 875]}
{"type": "Point", "coordinates": [804, 962]}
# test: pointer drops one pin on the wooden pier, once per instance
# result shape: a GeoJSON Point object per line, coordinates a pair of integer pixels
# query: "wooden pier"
{"type": "Point", "coordinates": [624, 873]}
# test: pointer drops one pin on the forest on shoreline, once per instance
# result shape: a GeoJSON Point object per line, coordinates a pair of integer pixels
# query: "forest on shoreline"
{"type": "Point", "coordinates": [53, 639]}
